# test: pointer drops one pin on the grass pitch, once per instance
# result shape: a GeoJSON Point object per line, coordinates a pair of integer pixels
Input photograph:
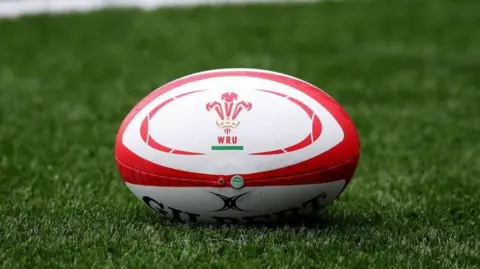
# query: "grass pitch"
{"type": "Point", "coordinates": [407, 73]}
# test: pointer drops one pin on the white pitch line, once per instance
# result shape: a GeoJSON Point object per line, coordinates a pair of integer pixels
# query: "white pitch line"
{"type": "Point", "coordinates": [17, 8]}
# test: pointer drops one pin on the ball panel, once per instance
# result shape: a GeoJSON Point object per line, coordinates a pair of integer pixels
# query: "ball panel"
{"type": "Point", "coordinates": [347, 149]}
{"type": "Point", "coordinates": [226, 205]}
{"type": "Point", "coordinates": [251, 134]}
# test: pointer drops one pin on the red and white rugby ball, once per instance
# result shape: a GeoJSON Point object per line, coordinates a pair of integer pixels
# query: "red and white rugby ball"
{"type": "Point", "coordinates": [237, 146]}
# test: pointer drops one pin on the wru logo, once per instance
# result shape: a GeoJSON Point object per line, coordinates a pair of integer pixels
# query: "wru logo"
{"type": "Point", "coordinates": [228, 110]}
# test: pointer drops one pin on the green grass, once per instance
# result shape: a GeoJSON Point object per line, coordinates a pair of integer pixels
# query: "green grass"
{"type": "Point", "coordinates": [407, 73]}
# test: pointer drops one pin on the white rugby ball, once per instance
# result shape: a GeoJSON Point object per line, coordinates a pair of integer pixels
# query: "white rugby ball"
{"type": "Point", "coordinates": [237, 146]}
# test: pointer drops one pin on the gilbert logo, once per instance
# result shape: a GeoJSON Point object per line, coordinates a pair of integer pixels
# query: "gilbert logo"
{"type": "Point", "coordinates": [228, 110]}
{"type": "Point", "coordinates": [229, 203]}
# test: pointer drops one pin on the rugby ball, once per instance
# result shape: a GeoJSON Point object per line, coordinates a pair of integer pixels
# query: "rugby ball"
{"type": "Point", "coordinates": [237, 146]}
